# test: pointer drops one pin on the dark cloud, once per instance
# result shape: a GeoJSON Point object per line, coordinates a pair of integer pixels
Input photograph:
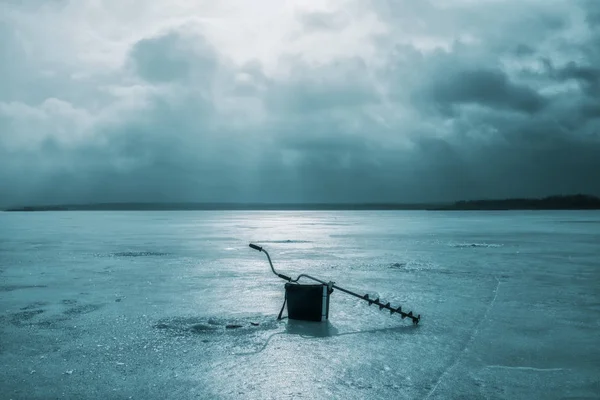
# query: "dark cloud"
{"type": "Point", "coordinates": [587, 75]}
{"type": "Point", "coordinates": [488, 88]}
{"type": "Point", "coordinates": [590, 109]}
{"type": "Point", "coordinates": [170, 57]}
{"type": "Point", "coordinates": [523, 50]}
{"type": "Point", "coordinates": [478, 118]}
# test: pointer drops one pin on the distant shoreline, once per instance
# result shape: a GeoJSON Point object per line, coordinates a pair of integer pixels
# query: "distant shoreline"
{"type": "Point", "coordinates": [575, 202]}
{"type": "Point", "coordinates": [225, 207]}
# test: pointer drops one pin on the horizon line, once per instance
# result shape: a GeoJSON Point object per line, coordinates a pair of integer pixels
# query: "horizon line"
{"type": "Point", "coordinates": [564, 201]}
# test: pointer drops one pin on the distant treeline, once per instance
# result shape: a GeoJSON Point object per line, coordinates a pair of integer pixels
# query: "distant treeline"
{"type": "Point", "coordinates": [575, 202]}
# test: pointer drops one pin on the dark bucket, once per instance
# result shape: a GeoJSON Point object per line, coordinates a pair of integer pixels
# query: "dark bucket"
{"type": "Point", "coordinates": [307, 302]}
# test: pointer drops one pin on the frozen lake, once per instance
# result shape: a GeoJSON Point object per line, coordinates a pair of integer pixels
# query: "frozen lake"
{"type": "Point", "coordinates": [119, 305]}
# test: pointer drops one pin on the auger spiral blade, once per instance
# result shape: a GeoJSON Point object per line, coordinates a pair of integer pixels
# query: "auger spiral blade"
{"type": "Point", "coordinates": [387, 306]}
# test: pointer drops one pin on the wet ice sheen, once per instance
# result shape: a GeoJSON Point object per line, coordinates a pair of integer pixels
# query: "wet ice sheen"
{"type": "Point", "coordinates": [154, 305]}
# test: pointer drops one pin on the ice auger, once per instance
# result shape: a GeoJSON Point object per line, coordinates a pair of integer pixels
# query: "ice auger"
{"type": "Point", "coordinates": [308, 300]}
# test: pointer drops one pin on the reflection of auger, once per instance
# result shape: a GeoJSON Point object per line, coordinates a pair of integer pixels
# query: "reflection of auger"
{"type": "Point", "coordinates": [331, 286]}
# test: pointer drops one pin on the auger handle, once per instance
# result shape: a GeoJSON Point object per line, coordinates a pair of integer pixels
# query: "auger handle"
{"type": "Point", "coordinates": [282, 276]}
{"type": "Point", "coordinates": [255, 247]}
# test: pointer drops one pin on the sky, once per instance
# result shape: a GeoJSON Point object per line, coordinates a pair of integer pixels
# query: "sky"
{"type": "Point", "coordinates": [298, 101]}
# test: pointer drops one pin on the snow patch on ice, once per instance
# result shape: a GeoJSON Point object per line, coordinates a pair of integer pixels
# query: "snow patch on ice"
{"type": "Point", "coordinates": [525, 368]}
{"type": "Point", "coordinates": [182, 326]}
{"type": "Point", "coordinates": [285, 241]}
{"type": "Point", "coordinates": [468, 245]}
{"type": "Point", "coordinates": [10, 288]}
{"type": "Point", "coordinates": [140, 254]}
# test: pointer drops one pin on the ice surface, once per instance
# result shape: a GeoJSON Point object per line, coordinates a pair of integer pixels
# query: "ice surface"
{"type": "Point", "coordinates": [154, 305]}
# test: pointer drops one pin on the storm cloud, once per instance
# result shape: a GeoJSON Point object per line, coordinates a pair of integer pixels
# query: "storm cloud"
{"type": "Point", "coordinates": [355, 101]}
